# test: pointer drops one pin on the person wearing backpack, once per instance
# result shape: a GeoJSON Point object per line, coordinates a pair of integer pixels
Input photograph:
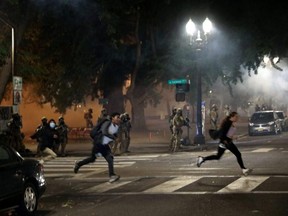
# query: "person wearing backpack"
{"type": "Point", "coordinates": [226, 133]}
{"type": "Point", "coordinates": [101, 144]}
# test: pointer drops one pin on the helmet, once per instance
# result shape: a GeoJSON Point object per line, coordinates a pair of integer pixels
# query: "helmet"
{"type": "Point", "coordinates": [179, 111]}
{"type": "Point", "coordinates": [15, 116]}
{"type": "Point", "coordinates": [174, 110]}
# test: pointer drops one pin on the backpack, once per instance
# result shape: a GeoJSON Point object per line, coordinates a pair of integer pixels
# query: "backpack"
{"type": "Point", "coordinates": [214, 134]}
{"type": "Point", "coordinates": [96, 132]}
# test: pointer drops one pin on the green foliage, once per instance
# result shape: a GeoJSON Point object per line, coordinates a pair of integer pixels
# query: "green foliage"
{"type": "Point", "coordinates": [73, 49]}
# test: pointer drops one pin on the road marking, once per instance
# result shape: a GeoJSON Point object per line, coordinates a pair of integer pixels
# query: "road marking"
{"type": "Point", "coordinates": [173, 184]}
{"type": "Point", "coordinates": [86, 175]}
{"type": "Point", "coordinates": [90, 166]}
{"type": "Point", "coordinates": [105, 187]}
{"type": "Point", "coordinates": [243, 184]}
{"type": "Point", "coordinates": [263, 150]}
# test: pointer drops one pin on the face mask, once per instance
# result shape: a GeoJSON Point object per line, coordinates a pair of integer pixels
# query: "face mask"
{"type": "Point", "coordinates": [52, 125]}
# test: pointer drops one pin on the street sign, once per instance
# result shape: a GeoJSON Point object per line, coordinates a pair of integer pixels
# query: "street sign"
{"type": "Point", "coordinates": [17, 98]}
{"type": "Point", "coordinates": [17, 83]}
{"type": "Point", "coordinates": [180, 81]}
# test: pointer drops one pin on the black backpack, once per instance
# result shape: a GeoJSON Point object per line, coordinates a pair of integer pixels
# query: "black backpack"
{"type": "Point", "coordinates": [96, 132]}
{"type": "Point", "coordinates": [214, 134]}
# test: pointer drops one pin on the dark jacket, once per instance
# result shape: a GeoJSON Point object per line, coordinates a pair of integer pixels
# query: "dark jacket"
{"type": "Point", "coordinates": [46, 136]}
{"type": "Point", "coordinates": [225, 126]}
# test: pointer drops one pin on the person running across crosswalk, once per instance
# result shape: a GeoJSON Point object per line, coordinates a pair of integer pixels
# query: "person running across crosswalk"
{"type": "Point", "coordinates": [226, 133]}
{"type": "Point", "coordinates": [102, 144]}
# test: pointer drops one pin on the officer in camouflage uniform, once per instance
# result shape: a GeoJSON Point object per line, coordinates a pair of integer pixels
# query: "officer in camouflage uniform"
{"type": "Point", "coordinates": [178, 122]}
{"type": "Point", "coordinates": [171, 119]}
{"type": "Point", "coordinates": [213, 117]}
{"type": "Point", "coordinates": [123, 137]}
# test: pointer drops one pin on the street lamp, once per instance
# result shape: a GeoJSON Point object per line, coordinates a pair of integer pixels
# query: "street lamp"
{"type": "Point", "coordinates": [12, 50]}
{"type": "Point", "coordinates": [198, 39]}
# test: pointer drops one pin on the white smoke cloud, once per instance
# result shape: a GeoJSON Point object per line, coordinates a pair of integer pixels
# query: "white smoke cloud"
{"type": "Point", "coordinates": [269, 87]}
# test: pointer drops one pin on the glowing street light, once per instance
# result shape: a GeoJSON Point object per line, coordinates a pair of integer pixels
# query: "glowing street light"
{"type": "Point", "coordinates": [198, 39]}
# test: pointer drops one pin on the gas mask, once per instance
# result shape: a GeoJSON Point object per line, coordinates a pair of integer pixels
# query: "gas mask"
{"type": "Point", "coordinates": [52, 125]}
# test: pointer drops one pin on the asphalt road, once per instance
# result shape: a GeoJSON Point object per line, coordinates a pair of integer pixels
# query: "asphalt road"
{"type": "Point", "coordinates": [156, 182]}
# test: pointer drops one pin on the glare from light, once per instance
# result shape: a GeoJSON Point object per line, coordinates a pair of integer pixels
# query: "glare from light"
{"type": "Point", "coordinates": [275, 60]}
{"type": "Point", "coordinates": [190, 27]}
{"type": "Point", "coordinates": [207, 26]}
{"type": "Point", "coordinates": [266, 59]}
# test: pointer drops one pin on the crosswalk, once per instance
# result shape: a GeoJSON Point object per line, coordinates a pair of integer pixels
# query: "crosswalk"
{"type": "Point", "coordinates": [189, 185]}
{"type": "Point", "coordinates": [63, 166]}
{"type": "Point", "coordinates": [182, 179]}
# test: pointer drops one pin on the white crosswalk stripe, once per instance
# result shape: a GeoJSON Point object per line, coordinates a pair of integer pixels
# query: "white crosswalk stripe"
{"type": "Point", "coordinates": [173, 184]}
{"type": "Point", "coordinates": [244, 184]}
{"type": "Point", "coordinates": [263, 150]}
{"type": "Point", "coordinates": [63, 166]}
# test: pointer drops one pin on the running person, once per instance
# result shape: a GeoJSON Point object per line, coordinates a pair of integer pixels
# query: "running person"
{"type": "Point", "coordinates": [109, 130]}
{"type": "Point", "coordinates": [227, 130]}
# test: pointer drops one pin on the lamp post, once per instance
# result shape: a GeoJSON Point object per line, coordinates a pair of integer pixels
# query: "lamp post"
{"type": "Point", "coordinates": [12, 50]}
{"type": "Point", "coordinates": [198, 42]}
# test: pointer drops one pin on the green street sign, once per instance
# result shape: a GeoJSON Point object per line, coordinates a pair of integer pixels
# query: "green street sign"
{"type": "Point", "coordinates": [180, 81]}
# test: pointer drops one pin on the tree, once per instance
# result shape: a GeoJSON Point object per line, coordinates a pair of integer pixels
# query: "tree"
{"type": "Point", "coordinates": [89, 48]}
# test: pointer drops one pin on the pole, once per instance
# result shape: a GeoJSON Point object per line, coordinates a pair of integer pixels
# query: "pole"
{"type": "Point", "coordinates": [13, 61]}
{"type": "Point", "coordinates": [12, 53]}
{"type": "Point", "coordinates": [199, 138]}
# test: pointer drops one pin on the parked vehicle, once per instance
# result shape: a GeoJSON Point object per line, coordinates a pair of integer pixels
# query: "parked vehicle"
{"type": "Point", "coordinates": [264, 122]}
{"type": "Point", "coordinates": [22, 182]}
{"type": "Point", "coordinates": [283, 119]}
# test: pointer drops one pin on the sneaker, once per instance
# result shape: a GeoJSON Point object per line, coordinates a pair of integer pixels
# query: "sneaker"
{"type": "Point", "coordinates": [200, 160]}
{"type": "Point", "coordinates": [76, 167]}
{"type": "Point", "coordinates": [41, 161]}
{"type": "Point", "coordinates": [114, 178]}
{"type": "Point", "coordinates": [246, 171]}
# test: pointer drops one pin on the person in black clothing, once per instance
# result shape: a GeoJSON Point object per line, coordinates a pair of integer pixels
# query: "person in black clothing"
{"type": "Point", "coordinates": [49, 138]}
{"type": "Point", "coordinates": [44, 122]}
{"type": "Point", "coordinates": [227, 130]}
{"type": "Point", "coordinates": [101, 145]}
{"type": "Point", "coordinates": [88, 116]}
{"type": "Point", "coordinates": [62, 129]}
{"type": "Point", "coordinates": [103, 115]}
{"type": "Point", "coordinates": [14, 133]}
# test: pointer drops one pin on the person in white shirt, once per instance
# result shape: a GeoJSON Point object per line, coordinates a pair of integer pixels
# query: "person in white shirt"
{"type": "Point", "coordinates": [101, 146]}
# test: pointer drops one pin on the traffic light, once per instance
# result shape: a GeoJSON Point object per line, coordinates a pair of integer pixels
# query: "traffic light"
{"type": "Point", "coordinates": [180, 96]}
{"type": "Point", "coordinates": [180, 88]}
